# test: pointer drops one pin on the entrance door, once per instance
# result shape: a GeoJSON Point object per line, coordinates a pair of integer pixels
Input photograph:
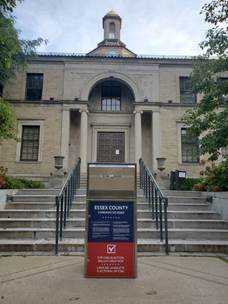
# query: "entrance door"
{"type": "Point", "coordinates": [110, 147]}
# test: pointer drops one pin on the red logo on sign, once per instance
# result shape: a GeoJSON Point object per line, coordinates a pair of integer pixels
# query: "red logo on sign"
{"type": "Point", "coordinates": [111, 249]}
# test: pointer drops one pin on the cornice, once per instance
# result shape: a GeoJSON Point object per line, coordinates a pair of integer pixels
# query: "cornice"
{"type": "Point", "coordinates": [62, 58]}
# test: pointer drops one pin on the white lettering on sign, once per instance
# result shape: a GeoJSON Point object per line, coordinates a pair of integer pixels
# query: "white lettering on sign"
{"type": "Point", "coordinates": [118, 207]}
{"type": "Point", "coordinates": [110, 207]}
{"type": "Point", "coordinates": [102, 207]}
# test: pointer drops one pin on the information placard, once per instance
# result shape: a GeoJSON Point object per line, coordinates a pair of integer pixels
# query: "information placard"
{"type": "Point", "coordinates": [110, 239]}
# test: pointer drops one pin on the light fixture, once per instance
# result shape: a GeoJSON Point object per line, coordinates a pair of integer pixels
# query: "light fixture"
{"type": "Point", "coordinates": [58, 162]}
{"type": "Point", "coordinates": [161, 163]}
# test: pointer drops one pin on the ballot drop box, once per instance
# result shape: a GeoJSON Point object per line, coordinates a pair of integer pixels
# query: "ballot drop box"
{"type": "Point", "coordinates": [111, 221]}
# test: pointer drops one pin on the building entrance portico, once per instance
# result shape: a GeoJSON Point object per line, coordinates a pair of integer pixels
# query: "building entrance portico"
{"type": "Point", "coordinates": [111, 127]}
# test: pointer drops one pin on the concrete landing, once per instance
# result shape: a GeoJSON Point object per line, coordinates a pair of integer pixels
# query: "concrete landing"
{"type": "Point", "coordinates": [59, 280]}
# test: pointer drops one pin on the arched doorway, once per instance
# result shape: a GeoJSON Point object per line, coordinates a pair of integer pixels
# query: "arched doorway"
{"type": "Point", "coordinates": [111, 104]}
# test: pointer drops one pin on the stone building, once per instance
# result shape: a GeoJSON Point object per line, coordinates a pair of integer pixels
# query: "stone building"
{"type": "Point", "coordinates": [109, 105]}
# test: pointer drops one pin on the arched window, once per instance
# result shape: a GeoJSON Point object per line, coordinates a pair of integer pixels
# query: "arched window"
{"type": "Point", "coordinates": [112, 30]}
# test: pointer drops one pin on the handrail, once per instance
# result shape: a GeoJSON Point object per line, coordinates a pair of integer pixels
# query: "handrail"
{"type": "Point", "coordinates": [157, 202]}
{"type": "Point", "coordinates": [64, 201]}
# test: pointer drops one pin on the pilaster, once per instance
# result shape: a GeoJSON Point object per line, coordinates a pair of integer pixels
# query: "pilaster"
{"type": "Point", "coordinates": [84, 138]}
{"type": "Point", "coordinates": [138, 135]}
{"type": "Point", "coordinates": [65, 137]}
{"type": "Point", "coordinates": [156, 138]}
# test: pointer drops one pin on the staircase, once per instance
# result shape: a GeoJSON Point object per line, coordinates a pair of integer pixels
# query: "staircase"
{"type": "Point", "coordinates": [192, 225]}
{"type": "Point", "coordinates": [27, 225]}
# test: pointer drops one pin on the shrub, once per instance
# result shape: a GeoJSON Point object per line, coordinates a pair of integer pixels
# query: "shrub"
{"type": "Point", "coordinates": [19, 183]}
{"type": "Point", "coordinates": [189, 183]}
{"type": "Point", "coordinates": [200, 187]}
{"type": "Point", "coordinates": [216, 176]}
{"type": "Point", "coordinates": [8, 182]}
{"type": "Point", "coordinates": [2, 177]}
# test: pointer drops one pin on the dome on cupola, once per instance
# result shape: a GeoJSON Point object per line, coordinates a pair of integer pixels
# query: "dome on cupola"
{"type": "Point", "coordinates": [111, 13]}
{"type": "Point", "coordinates": [112, 46]}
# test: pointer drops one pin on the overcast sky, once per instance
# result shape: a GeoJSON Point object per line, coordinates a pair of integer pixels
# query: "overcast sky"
{"type": "Point", "coordinates": [154, 27]}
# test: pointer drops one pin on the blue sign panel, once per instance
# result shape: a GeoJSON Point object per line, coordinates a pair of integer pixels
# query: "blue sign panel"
{"type": "Point", "coordinates": [111, 221]}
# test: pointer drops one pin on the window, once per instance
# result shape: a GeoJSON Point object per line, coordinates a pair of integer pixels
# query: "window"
{"type": "Point", "coordinates": [189, 147]}
{"type": "Point", "coordinates": [112, 30]}
{"type": "Point", "coordinates": [30, 143]}
{"type": "Point", "coordinates": [110, 98]}
{"type": "Point", "coordinates": [186, 95]}
{"type": "Point", "coordinates": [34, 86]}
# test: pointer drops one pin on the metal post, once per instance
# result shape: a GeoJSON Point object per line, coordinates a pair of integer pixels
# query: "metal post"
{"type": "Point", "coordinates": [140, 173]}
{"type": "Point", "coordinates": [79, 172]}
{"type": "Point", "coordinates": [68, 201]}
{"type": "Point", "coordinates": [65, 207]}
{"type": "Point", "coordinates": [149, 191]}
{"type": "Point", "coordinates": [146, 184]}
{"type": "Point", "coordinates": [160, 217]}
{"type": "Point", "coordinates": [152, 196]}
{"type": "Point", "coordinates": [57, 226]}
{"type": "Point", "coordinates": [156, 207]}
{"type": "Point", "coordinates": [166, 226]}
{"type": "Point", "coordinates": [144, 168]}
{"type": "Point", "coordinates": [61, 218]}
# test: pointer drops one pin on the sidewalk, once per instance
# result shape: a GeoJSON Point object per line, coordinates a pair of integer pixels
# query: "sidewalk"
{"type": "Point", "coordinates": [59, 280]}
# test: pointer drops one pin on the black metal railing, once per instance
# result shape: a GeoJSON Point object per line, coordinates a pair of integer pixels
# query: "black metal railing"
{"type": "Point", "coordinates": [157, 202]}
{"type": "Point", "coordinates": [64, 201]}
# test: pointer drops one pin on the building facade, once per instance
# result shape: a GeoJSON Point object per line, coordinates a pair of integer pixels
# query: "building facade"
{"type": "Point", "coordinates": [109, 105]}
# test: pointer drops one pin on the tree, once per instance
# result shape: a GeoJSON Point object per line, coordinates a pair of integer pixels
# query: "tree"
{"type": "Point", "coordinates": [209, 119]}
{"type": "Point", "coordinates": [7, 5]}
{"type": "Point", "coordinates": [7, 121]}
{"type": "Point", "coordinates": [14, 52]}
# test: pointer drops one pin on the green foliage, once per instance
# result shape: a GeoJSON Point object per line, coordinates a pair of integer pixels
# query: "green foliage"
{"type": "Point", "coordinates": [209, 119]}
{"type": "Point", "coordinates": [7, 121]}
{"type": "Point", "coordinates": [216, 13]}
{"type": "Point", "coordinates": [19, 183]}
{"type": "Point", "coordinates": [187, 184]}
{"type": "Point", "coordinates": [7, 5]}
{"type": "Point", "coordinates": [14, 52]}
{"type": "Point", "coordinates": [216, 176]}
{"type": "Point", "coordinates": [8, 182]}
{"type": "Point", "coordinates": [3, 172]}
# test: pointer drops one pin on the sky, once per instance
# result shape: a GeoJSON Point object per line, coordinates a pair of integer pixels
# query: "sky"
{"type": "Point", "coordinates": [149, 27]}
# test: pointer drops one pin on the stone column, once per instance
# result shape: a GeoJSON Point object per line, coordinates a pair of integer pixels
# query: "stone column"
{"type": "Point", "coordinates": [155, 138]}
{"type": "Point", "coordinates": [65, 137]}
{"type": "Point", "coordinates": [83, 143]}
{"type": "Point", "coordinates": [138, 136]}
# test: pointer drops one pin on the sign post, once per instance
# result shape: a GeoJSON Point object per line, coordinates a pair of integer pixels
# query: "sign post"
{"type": "Point", "coordinates": [111, 221]}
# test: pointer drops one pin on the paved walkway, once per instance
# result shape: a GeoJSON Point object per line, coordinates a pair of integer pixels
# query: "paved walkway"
{"type": "Point", "coordinates": [59, 280]}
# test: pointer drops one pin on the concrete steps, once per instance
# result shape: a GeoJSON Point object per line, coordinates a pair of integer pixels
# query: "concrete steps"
{"type": "Point", "coordinates": [141, 223]}
{"type": "Point", "coordinates": [74, 213]}
{"type": "Point", "coordinates": [143, 245]}
{"type": "Point", "coordinates": [142, 233]}
{"type": "Point", "coordinates": [28, 224]}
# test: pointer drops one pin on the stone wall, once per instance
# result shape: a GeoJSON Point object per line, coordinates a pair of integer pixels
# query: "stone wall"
{"type": "Point", "coordinates": [71, 80]}
{"type": "Point", "coordinates": [50, 117]}
{"type": "Point", "coordinates": [219, 202]}
{"type": "Point", "coordinates": [171, 141]}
